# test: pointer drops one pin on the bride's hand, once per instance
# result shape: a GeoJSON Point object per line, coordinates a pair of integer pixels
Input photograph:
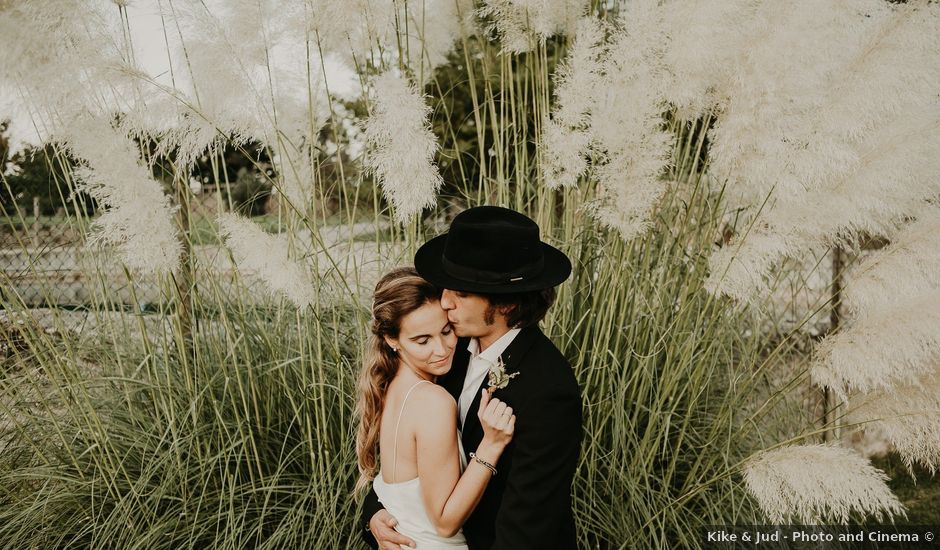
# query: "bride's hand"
{"type": "Point", "coordinates": [497, 420]}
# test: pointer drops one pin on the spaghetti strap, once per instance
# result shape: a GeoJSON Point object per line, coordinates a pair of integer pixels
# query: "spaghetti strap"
{"type": "Point", "coordinates": [402, 410]}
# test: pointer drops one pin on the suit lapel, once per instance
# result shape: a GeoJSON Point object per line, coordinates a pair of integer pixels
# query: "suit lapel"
{"type": "Point", "coordinates": [512, 356]}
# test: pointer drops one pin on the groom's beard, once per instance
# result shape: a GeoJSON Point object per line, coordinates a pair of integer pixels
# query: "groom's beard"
{"type": "Point", "coordinates": [462, 331]}
{"type": "Point", "coordinates": [488, 319]}
{"type": "Point", "coordinates": [489, 316]}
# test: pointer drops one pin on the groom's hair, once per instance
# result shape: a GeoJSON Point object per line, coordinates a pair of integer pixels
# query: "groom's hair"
{"type": "Point", "coordinates": [521, 309]}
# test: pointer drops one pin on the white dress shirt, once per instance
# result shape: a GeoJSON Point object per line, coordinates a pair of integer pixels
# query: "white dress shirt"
{"type": "Point", "coordinates": [480, 364]}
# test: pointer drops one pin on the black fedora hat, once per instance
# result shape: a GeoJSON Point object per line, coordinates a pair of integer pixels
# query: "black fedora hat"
{"type": "Point", "coordinates": [492, 250]}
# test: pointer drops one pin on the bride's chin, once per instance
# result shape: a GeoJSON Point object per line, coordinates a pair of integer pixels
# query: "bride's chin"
{"type": "Point", "coordinates": [441, 369]}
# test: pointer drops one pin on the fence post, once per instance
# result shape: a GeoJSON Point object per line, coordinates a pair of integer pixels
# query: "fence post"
{"type": "Point", "coordinates": [36, 227]}
{"type": "Point", "coordinates": [834, 321]}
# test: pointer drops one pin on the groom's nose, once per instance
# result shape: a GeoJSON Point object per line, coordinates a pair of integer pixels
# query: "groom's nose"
{"type": "Point", "coordinates": [447, 300]}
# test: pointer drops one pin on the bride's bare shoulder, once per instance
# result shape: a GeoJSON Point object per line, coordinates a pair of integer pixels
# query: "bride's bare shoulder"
{"type": "Point", "coordinates": [434, 399]}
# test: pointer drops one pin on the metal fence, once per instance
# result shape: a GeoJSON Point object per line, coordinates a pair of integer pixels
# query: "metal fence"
{"type": "Point", "coordinates": [44, 260]}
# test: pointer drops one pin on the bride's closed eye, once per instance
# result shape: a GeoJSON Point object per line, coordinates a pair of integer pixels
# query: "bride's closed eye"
{"type": "Point", "coordinates": [445, 331]}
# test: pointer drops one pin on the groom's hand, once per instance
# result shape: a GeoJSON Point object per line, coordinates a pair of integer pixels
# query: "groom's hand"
{"type": "Point", "coordinates": [382, 526]}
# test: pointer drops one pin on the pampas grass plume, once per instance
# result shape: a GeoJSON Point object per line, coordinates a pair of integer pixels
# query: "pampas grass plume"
{"type": "Point", "coordinates": [841, 137]}
{"type": "Point", "coordinates": [880, 351]}
{"type": "Point", "coordinates": [566, 137]}
{"type": "Point", "coordinates": [401, 147]}
{"type": "Point", "coordinates": [266, 257]}
{"type": "Point", "coordinates": [906, 268]}
{"type": "Point", "coordinates": [893, 297]}
{"type": "Point", "coordinates": [521, 24]}
{"type": "Point", "coordinates": [818, 484]}
{"type": "Point", "coordinates": [908, 417]}
{"type": "Point", "coordinates": [139, 216]}
{"type": "Point", "coordinates": [625, 130]}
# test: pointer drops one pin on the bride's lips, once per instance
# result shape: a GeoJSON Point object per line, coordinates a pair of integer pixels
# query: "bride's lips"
{"type": "Point", "coordinates": [441, 362]}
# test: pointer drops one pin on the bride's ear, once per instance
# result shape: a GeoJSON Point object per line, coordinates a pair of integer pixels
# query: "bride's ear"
{"type": "Point", "coordinates": [392, 343]}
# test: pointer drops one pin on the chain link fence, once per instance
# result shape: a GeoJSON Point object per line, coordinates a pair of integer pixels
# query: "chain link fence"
{"type": "Point", "coordinates": [46, 261]}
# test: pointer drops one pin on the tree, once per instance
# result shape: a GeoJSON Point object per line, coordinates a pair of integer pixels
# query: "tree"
{"type": "Point", "coordinates": [4, 146]}
{"type": "Point", "coordinates": [41, 172]}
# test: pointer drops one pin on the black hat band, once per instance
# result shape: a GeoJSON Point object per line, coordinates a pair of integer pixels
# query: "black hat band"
{"type": "Point", "coordinates": [487, 277]}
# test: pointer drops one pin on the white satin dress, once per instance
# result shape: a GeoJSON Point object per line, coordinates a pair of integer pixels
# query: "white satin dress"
{"type": "Point", "coordinates": [403, 501]}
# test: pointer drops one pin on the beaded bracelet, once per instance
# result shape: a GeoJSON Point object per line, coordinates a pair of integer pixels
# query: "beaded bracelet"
{"type": "Point", "coordinates": [485, 464]}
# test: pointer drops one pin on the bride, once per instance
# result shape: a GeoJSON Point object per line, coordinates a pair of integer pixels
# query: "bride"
{"type": "Point", "coordinates": [411, 422]}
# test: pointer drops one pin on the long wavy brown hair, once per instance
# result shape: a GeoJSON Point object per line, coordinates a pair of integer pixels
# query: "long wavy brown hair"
{"type": "Point", "coordinates": [398, 293]}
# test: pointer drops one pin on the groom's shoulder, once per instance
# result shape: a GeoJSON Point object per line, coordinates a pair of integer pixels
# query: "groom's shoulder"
{"type": "Point", "coordinates": [546, 349]}
{"type": "Point", "coordinates": [551, 363]}
{"type": "Point", "coordinates": [548, 353]}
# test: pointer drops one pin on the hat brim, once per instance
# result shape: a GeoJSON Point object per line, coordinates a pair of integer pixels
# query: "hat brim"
{"type": "Point", "coordinates": [428, 263]}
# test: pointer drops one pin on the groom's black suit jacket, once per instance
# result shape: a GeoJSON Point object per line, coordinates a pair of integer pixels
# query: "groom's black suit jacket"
{"type": "Point", "coordinates": [528, 503]}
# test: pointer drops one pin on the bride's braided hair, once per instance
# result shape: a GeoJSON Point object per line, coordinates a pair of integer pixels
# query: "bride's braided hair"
{"type": "Point", "coordinates": [398, 293]}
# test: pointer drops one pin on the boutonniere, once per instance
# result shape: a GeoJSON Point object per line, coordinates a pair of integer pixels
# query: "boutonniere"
{"type": "Point", "coordinates": [497, 376]}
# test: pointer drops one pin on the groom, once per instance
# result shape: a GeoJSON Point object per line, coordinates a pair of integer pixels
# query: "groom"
{"type": "Point", "coordinates": [499, 281]}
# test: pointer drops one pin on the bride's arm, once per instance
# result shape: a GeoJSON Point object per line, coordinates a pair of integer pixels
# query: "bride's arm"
{"type": "Point", "coordinates": [449, 497]}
